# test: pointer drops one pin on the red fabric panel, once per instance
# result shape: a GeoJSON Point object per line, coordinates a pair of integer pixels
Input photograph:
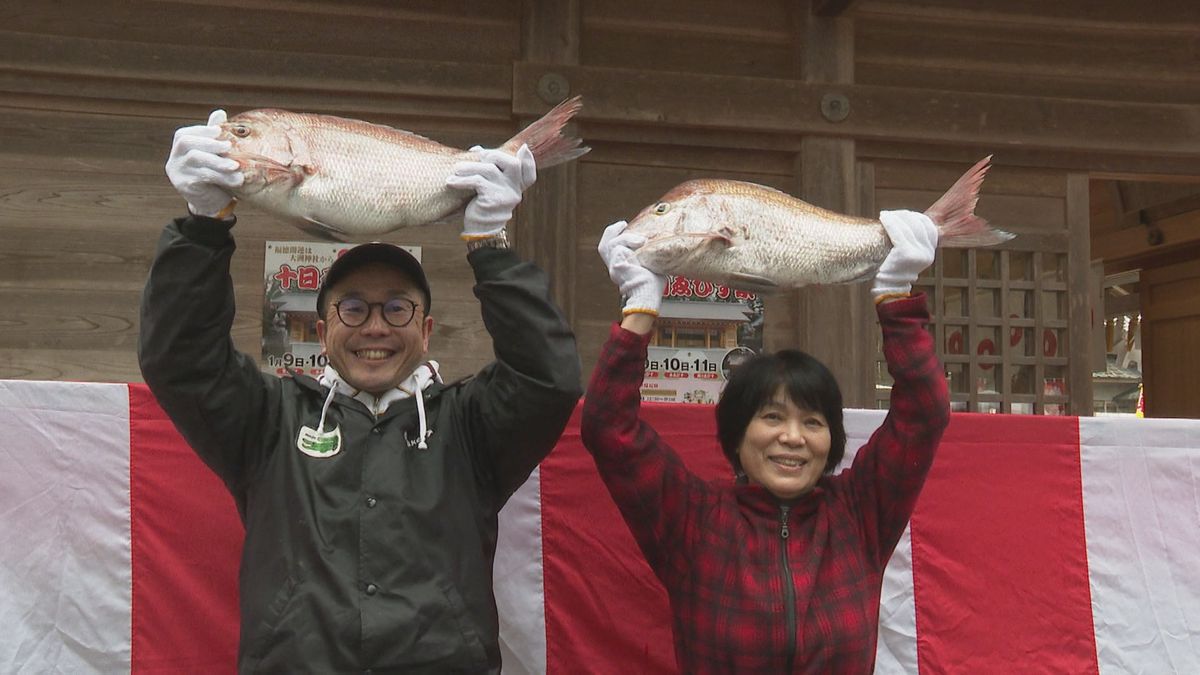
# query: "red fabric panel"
{"type": "Point", "coordinates": [186, 541]}
{"type": "Point", "coordinates": [999, 556]}
{"type": "Point", "coordinates": [605, 610]}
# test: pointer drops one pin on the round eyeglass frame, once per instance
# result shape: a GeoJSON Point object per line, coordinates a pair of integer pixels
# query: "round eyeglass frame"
{"type": "Point", "coordinates": [370, 306]}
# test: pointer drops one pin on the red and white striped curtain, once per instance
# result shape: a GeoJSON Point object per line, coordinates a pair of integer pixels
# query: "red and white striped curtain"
{"type": "Point", "coordinates": [1040, 544]}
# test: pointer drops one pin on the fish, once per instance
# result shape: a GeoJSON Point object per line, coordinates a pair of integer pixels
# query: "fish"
{"type": "Point", "coordinates": [755, 238]}
{"type": "Point", "coordinates": [341, 179]}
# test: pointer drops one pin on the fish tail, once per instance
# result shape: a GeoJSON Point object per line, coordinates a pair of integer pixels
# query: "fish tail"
{"type": "Point", "coordinates": [545, 138]}
{"type": "Point", "coordinates": [954, 213]}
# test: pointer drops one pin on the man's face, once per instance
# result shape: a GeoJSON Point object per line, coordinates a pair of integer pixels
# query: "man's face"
{"type": "Point", "coordinates": [375, 356]}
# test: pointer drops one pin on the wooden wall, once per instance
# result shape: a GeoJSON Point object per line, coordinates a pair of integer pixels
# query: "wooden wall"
{"type": "Point", "coordinates": [90, 94]}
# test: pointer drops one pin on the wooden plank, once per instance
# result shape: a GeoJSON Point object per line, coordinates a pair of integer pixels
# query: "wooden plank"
{"type": "Point", "coordinates": [1133, 242]}
{"type": "Point", "coordinates": [833, 321]}
{"type": "Point", "coordinates": [752, 21]}
{"type": "Point", "coordinates": [914, 174]}
{"type": "Point", "coordinates": [1100, 164]}
{"type": "Point", "coordinates": [720, 54]}
{"type": "Point", "coordinates": [544, 229]}
{"type": "Point", "coordinates": [1062, 84]}
{"type": "Point", "coordinates": [880, 113]}
{"type": "Point", "coordinates": [1102, 14]}
{"type": "Point", "coordinates": [75, 365]}
{"type": "Point", "coordinates": [716, 161]}
{"type": "Point", "coordinates": [1171, 339]}
{"type": "Point", "coordinates": [832, 8]}
{"type": "Point", "coordinates": [1086, 55]}
{"type": "Point", "coordinates": [827, 50]}
{"type": "Point", "coordinates": [112, 70]}
{"type": "Point", "coordinates": [1081, 314]}
{"type": "Point", "coordinates": [1010, 212]}
{"type": "Point", "coordinates": [466, 32]}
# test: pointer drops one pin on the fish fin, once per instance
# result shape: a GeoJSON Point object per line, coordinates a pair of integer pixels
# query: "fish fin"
{"type": "Point", "coordinates": [455, 217]}
{"type": "Point", "coordinates": [865, 276]}
{"type": "Point", "coordinates": [954, 213]}
{"type": "Point", "coordinates": [753, 282]}
{"type": "Point", "coordinates": [545, 137]}
{"type": "Point", "coordinates": [321, 230]}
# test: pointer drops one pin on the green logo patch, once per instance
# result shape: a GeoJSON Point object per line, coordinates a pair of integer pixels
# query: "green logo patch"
{"type": "Point", "coordinates": [319, 444]}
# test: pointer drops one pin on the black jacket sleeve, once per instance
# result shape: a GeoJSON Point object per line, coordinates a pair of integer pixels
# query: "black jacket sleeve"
{"type": "Point", "coordinates": [518, 406]}
{"type": "Point", "coordinates": [216, 396]}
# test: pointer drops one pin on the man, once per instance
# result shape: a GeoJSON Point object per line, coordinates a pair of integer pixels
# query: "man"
{"type": "Point", "coordinates": [369, 496]}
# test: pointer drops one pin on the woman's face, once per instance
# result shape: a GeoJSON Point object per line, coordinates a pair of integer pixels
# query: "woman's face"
{"type": "Point", "coordinates": [785, 448]}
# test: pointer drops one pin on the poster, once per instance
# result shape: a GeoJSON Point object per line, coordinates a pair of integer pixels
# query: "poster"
{"type": "Point", "coordinates": [703, 331]}
{"type": "Point", "coordinates": [292, 277]}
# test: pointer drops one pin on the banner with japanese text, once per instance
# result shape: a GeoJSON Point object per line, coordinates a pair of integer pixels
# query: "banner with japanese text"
{"type": "Point", "coordinates": [703, 331]}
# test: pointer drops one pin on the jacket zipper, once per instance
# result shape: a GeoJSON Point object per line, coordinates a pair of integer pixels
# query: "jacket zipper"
{"type": "Point", "coordinates": [789, 590]}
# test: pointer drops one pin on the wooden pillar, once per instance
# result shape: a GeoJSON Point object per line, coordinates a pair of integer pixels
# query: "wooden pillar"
{"type": "Point", "coordinates": [545, 226]}
{"type": "Point", "coordinates": [1079, 313]}
{"type": "Point", "coordinates": [833, 323]}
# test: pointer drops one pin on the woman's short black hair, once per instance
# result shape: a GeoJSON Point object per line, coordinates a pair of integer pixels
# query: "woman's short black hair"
{"type": "Point", "coordinates": [808, 384]}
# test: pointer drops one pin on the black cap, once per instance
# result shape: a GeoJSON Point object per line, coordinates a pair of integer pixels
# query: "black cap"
{"type": "Point", "coordinates": [375, 252]}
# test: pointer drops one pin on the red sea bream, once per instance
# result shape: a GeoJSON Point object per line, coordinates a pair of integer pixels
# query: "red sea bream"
{"type": "Point", "coordinates": [759, 239]}
{"type": "Point", "coordinates": [341, 178]}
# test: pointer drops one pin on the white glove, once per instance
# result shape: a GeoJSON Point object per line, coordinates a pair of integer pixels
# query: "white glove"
{"type": "Point", "coordinates": [914, 245]}
{"type": "Point", "coordinates": [498, 180]}
{"type": "Point", "coordinates": [197, 169]}
{"type": "Point", "coordinates": [641, 288]}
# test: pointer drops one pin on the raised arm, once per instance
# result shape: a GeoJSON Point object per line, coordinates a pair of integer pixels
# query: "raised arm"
{"type": "Point", "coordinates": [214, 395]}
{"type": "Point", "coordinates": [519, 404]}
{"type": "Point", "coordinates": [889, 471]}
{"type": "Point", "coordinates": [653, 489]}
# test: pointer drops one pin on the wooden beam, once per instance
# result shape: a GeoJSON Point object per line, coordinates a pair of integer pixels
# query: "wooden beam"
{"type": "Point", "coordinates": [834, 322]}
{"type": "Point", "coordinates": [1080, 313]}
{"type": "Point", "coordinates": [876, 112]}
{"type": "Point", "coordinates": [1100, 164]}
{"type": "Point", "coordinates": [1178, 231]}
{"type": "Point", "coordinates": [110, 70]}
{"type": "Point", "coordinates": [831, 8]}
{"type": "Point", "coordinates": [1122, 305]}
{"type": "Point", "coordinates": [546, 223]}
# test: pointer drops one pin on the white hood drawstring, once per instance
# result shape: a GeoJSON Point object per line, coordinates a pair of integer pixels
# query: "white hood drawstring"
{"type": "Point", "coordinates": [325, 409]}
{"type": "Point", "coordinates": [425, 375]}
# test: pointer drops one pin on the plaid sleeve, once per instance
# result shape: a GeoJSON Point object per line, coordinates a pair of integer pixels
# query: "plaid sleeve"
{"type": "Point", "coordinates": [889, 470]}
{"type": "Point", "coordinates": [654, 491]}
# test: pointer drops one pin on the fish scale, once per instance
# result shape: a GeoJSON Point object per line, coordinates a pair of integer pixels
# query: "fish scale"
{"type": "Point", "coordinates": [757, 238]}
{"type": "Point", "coordinates": [341, 178]}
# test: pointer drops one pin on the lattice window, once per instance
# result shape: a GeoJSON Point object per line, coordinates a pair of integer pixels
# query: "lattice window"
{"type": "Point", "coordinates": [1000, 321]}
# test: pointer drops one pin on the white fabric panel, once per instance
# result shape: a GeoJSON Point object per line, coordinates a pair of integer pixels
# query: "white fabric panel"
{"type": "Point", "coordinates": [64, 522]}
{"type": "Point", "coordinates": [518, 581]}
{"type": "Point", "coordinates": [1141, 501]}
{"type": "Point", "coordinates": [896, 651]}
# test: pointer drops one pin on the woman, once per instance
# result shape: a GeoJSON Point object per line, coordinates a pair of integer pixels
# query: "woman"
{"type": "Point", "coordinates": [779, 570]}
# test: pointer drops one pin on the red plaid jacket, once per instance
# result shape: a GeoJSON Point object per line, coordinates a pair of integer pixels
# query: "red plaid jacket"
{"type": "Point", "coordinates": [735, 581]}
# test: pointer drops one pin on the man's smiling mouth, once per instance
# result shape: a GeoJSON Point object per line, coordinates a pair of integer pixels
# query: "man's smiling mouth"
{"type": "Point", "coordinates": [373, 354]}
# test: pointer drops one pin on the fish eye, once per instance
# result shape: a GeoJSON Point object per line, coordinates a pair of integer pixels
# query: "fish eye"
{"type": "Point", "coordinates": [661, 208]}
{"type": "Point", "coordinates": [240, 130]}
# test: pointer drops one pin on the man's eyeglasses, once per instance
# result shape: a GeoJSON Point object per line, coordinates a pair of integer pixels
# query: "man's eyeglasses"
{"type": "Point", "coordinates": [354, 312]}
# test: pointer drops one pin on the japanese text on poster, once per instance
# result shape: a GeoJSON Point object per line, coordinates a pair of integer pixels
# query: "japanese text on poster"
{"type": "Point", "coordinates": [703, 331]}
